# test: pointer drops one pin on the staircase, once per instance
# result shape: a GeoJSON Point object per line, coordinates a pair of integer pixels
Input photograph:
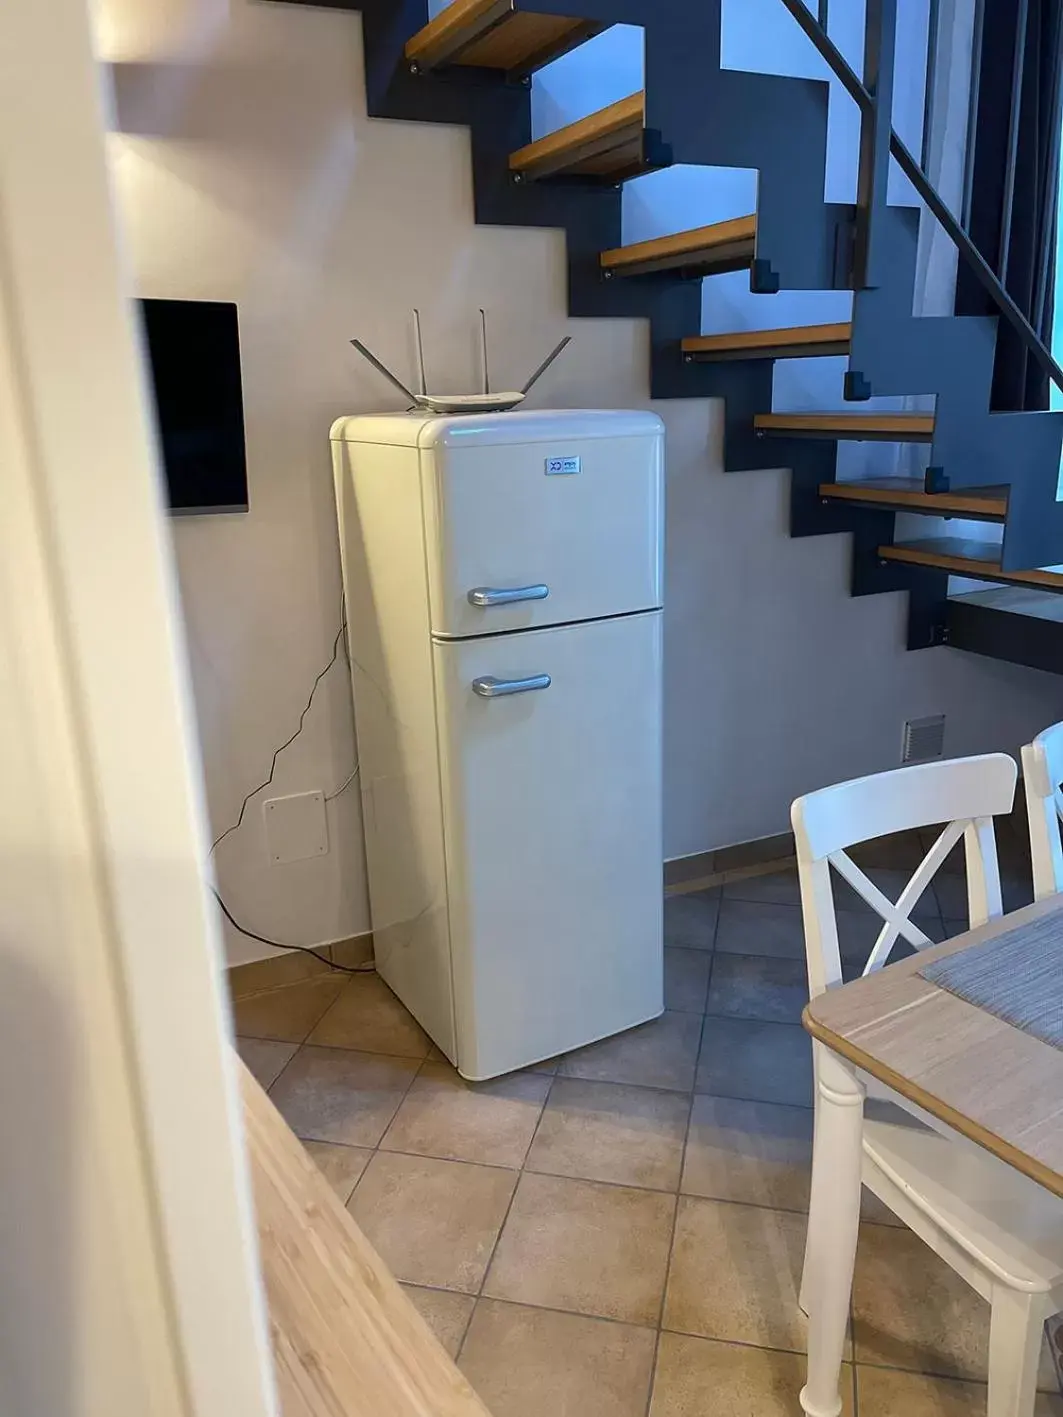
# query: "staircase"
{"type": "Point", "coordinates": [472, 65]}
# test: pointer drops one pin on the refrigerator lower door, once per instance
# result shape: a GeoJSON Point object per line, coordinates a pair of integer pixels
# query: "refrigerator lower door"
{"type": "Point", "coordinates": [551, 760]}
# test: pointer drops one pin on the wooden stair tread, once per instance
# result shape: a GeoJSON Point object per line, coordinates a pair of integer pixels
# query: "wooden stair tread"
{"type": "Point", "coordinates": [725, 242]}
{"type": "Point", "coordinates": [989, 503]}
{"type": "Point", "coordinates": [346, 1339]}
{"type": "Point", "coordinates": [604, 143]}
{"type": "Point", "coordinates": [801, 339]}
{"type": "Point", "coordinates": [491, 34]}
{"type": "Point", "coordinates": [884, 427]}
{"type": "Point", "coordinates": [969, 558]}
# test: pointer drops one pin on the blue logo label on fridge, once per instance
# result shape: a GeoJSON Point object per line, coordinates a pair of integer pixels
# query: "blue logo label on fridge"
{"type": "Point", "coordinates": [562, 467]}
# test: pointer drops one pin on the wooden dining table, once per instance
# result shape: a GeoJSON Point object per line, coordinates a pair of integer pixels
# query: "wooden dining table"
{"type": "Point", "coordinates": [965, 1070]}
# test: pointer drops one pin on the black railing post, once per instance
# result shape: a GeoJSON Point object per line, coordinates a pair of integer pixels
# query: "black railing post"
{"type": "Point", "coordinates": [953, 228]}
{"type": "Point", "coordinates": [933, 21]}
{"type": "Point", "coordinates": [876, 130]}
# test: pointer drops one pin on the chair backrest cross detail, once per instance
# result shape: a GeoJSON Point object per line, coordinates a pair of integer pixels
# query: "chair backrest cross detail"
{"type": "Point", "coordinates": [964, 793]}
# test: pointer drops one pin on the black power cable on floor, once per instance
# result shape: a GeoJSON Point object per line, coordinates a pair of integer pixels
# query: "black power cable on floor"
{"type": "Point", "coordinates": [277, 945]}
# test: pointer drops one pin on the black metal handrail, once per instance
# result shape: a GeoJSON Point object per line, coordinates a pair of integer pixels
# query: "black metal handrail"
{"type": "Point", "coordinates": [982, 270]}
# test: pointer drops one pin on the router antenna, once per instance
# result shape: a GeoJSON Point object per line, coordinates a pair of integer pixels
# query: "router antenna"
{"type": "Point", "coordinates": [420, 350]}
{"type": "Point", "coordinates": [483, 346]}
{"type": "Point", "coordinates": [546, 364]}
{"type": "Point", "coordinates": [383, 369]}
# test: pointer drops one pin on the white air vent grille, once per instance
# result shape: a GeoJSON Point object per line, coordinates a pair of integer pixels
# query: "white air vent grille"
{"type": "Point", "coordinates": [924, 738]}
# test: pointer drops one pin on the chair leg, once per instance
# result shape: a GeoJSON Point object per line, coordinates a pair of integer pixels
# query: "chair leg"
{"type": "Point", "coordinates": [833, 1222]}
{"type": "Point", "coordinates": [1016, 1331]}
{"type": "Point", "coordinates": [805, 1297]}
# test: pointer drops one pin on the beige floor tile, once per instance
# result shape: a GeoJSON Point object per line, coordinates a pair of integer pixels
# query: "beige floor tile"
{"type": "Point", "coordinates": [584, 1246]}
{"type": "Point", "coordinates": [489, 1122]}
{"type": "Point", "coordinates": [266, 1058]}
{"type": "Point", "coordinates": [882, 1392]}
{"type": "Point", "coordinates": [749, 1151]}
{"type": "Point", "coordinates": [735, 1274]}
{"type": "Point", "coordinates": [287, 1013]}
{"type": "Point", "coordinates": [341, 1166]}
{"type": "Point", "coordinates": [686, 979]}
{"type": "Point", "coordinates": [333, 1094]}
{"type": "Point", "coordinates": [447, 1314]}
{"type": "Point", "coordinates": [662, 1053]}
{"type": "Point", "coordinates": [699, 1377]}
{"type": "Point", "coordinates": [548, 1065]}
{"type": "Point", "coordinates": [534, 1363]}
{"type": "Point", "coordinates": [433, 1222]}
{"type": "Point", "coordinates": [369, 1017]}
{"type": "Point", "coordinates": [604, 1131]}
{"type": "Point", "coordinates": [278, 969]}
{"type": "Point", "coordinates": [910, 1310]}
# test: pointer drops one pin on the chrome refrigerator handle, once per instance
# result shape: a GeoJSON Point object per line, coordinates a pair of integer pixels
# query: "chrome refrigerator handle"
{"type": "Point", "coordinates": [491, 688]}
{"type": "Point", "coordinates": [490, 595]}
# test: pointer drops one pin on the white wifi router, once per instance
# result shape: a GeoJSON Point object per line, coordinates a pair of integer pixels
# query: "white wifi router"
{"type": "Point", "coordinates": [485, 402]}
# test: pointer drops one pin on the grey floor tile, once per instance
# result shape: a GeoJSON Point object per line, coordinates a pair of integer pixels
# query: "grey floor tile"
{"type": "Point", "coordinates": [266, 1058]}
{"type": "Point", "coordinates": [447, 1314]}
{"type": "Point", "coordinates": [778, 931]}
{"type": "Point", "coordinates": [735, 1273]}
{"type": "Point", "coordinates": [765, 1062]}
{"type": "Point", "coordinates": [662, 1053]}
{"type": "Point", "coordinates": [584, 1247]}
{"type": "Point", "coordinates": [755, 986]}
{"type": "Point", "coordinates": [433, 1222]}
{"type": "Point", "coordinates": [777, 888]}
{"type": "Point", "coordinates": [488, 1122]}
{"type": "Point", "coordinates": [527, 1362]}
{"type": "Point", "coordinates": [702, 1377]}
{"type": "Point", "coordinates": [341, 1166]}
{"type": "Point", "coordinates": [757, 1152]}
{"type": "Point", "coordinates": [690, 920]}
{"type": "Point", "coordinates": [334, 1094]}
{"type": "Point", "coordinates": [761, 928]}
{"type": "Point", "coordinates": [604, 1131]}
{"type": "Point", "coordinates": [686, 979]}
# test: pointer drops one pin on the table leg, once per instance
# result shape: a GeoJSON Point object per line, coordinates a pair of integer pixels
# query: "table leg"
{"type": "Point", "coordinates": [833, 1224]}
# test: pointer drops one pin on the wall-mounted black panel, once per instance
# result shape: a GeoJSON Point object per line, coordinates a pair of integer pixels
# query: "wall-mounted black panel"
{"type": "Point", "coordinates": [193, 348]}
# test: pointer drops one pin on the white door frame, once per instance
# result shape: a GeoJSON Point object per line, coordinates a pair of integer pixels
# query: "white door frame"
{"type": "Point", "coordinates": [115, 1044]}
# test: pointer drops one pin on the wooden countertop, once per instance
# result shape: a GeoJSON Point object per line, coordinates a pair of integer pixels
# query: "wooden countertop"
{"type": "Point", "coordinates": [347, 1342]}
{"type": "Point", "coordinates": [989, 1081]}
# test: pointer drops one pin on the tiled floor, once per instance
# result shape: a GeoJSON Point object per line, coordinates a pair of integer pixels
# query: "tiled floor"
{"type": "Point", "coordinates": [619, 1233]}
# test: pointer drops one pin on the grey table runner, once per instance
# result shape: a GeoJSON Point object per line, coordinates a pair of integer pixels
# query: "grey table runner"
{"type": "Point", "coordinates": [1018, 976]}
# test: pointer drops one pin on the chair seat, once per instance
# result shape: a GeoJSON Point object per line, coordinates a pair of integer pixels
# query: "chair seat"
{"type": "Point", "coordinates": [1001, 1218]}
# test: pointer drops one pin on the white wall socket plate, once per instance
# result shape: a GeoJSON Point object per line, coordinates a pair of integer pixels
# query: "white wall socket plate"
{"type": "Point", "coordinates": [296, 827]}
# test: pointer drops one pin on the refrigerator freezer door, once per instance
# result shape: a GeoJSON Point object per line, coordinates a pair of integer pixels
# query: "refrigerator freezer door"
{"type": "Point", "coordinates": [541, 533]}
{"type": "Point", "coordinates": [552, 813]}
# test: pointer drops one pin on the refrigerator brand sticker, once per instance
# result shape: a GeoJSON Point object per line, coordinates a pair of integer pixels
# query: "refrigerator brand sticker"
{"type": "Point", "coordinates": [562, 467]}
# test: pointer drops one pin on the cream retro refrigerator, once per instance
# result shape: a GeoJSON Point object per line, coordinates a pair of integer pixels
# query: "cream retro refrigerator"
{"type": "Point", "coordinates": [503, 582]}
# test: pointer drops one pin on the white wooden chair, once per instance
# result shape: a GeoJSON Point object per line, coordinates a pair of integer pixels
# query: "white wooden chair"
{"type": "Point", "coordinates": [998, 1230]}
{"type": "Point", "coordinates": [1042, 770]}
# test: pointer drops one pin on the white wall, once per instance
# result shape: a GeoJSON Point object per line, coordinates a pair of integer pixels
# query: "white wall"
{"type": "Point", "coordinates": [248, 171]}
